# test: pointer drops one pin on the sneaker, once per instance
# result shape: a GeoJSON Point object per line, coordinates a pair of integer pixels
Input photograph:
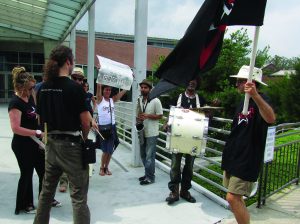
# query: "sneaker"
{"type": "Point", "coordinates": [173, 196]}
{"type": "Point", "coordinates": [62, 189]}
{"type": "Point", "coordinates": [30, 210]}
{"type": "Point", "coordinates": [56, 204]}
{"type": "Point", "coordinates": [142, 178]}
{"type": "Point", "coordinates": [146, 182]}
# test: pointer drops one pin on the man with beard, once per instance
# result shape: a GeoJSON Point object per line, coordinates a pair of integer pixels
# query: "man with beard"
{"type": "Point", "coordinates": [244, 149]}
{"type": "Point", "coordinates": [188, 100]}
{"type": "Point", "coordinates": [148, 113]}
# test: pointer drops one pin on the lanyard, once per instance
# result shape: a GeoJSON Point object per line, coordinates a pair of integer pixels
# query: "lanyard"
{"type": "Point", "coordinates": [143, 105]}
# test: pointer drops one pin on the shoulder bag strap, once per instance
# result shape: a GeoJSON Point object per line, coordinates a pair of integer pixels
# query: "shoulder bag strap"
{"type": "Point", "coordinates": [179, 100]}
{"type": "Point", "coordinates": [197, 101]}
{"type": "Point", "coordinates": [110, 112]}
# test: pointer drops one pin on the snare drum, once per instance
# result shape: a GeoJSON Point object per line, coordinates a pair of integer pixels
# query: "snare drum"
{"type": "Point", "coordinates": [187, 131]}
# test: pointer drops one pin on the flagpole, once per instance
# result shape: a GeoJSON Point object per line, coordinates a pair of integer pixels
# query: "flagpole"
{"type": "Point", "coordinates": [252, 63]}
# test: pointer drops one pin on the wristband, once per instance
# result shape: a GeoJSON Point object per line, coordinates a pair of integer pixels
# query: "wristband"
{"type": "Point", "coordinates": [38, 133]}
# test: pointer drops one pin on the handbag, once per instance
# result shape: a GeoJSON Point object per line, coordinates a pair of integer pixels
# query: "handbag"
{"type": "Point", "coordinates": [88, 152]}
{"type": "Point", "coordinates": [106, 130]}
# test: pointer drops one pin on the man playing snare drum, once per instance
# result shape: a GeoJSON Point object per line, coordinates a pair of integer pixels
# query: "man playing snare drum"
{"type": "Point", "coordinates": [188, 100]}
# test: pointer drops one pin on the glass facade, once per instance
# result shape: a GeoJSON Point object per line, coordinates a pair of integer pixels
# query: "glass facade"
{"type": "Point", "coordinates": [33, 63]}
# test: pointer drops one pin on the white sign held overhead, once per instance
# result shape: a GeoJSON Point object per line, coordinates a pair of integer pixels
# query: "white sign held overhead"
{"type": "Point", "coordinates": [270, 143]}
{"type": "Point", "coordinates": [114, 74]}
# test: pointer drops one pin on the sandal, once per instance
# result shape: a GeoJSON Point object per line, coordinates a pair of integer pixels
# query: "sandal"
{"type": "Point", "coordinates": [102, 172]}
{"type": "Point", "coordinates": [107, 171]}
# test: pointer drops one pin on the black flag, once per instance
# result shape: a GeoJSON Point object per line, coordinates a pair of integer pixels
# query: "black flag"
{"type": "Point", "coordinates": [199, 49]}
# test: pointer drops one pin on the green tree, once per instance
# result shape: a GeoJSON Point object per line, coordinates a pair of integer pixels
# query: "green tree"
{"type": "Point", "coordinates": [284, 95]}
{"type": "Point", "coordinates": [283, 62]}
{"type": "Point", "coordinates": [262, 57]}
{"type": "Point", "coordinates": [291, 99]}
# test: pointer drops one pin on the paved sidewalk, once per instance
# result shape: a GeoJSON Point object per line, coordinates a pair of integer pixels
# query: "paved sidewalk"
{"type": "Point", "coordinates": [116, 199]}
{"type": "Point", "coordinates": [119, 199]}
{"type": "Point", "coordinates": [281, 208]}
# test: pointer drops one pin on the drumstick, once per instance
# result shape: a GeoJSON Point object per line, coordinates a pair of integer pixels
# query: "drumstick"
{"type": "Point", "coordinates": [40, 143]}
{"type": "Point", "coordinates": [96, 130]}
{"type": "Point", "coordinates": [45, 133]}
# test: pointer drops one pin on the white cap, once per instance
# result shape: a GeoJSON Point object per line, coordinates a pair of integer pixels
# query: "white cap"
{"type": "Point", "coordinates": [244, 72]}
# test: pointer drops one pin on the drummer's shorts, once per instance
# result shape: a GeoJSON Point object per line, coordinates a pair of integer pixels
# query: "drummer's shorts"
{"type": "Point", "coordinates": [236, 185]}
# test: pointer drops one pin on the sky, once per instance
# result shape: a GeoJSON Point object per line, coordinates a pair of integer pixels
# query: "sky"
{"type": "Point", "coordinates": [170, 19]}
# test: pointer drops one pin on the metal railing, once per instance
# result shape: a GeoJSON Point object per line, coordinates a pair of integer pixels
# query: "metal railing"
{"type": "Point", "coordinates": [204, 167]}
{"type": "Point", "coordinates": [207, 167]}
{"type": "Point", "coordinates": [284, 169]}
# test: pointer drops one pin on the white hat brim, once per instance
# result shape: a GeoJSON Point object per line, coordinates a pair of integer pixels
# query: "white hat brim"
{"type": "Point", "coordinates": [240, 77]}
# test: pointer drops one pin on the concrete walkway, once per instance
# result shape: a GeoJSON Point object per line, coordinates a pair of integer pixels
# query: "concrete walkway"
{"type": "Point", "coordinates": [281, 208]}
{"type": "Point", "coordinates": [119, 199]}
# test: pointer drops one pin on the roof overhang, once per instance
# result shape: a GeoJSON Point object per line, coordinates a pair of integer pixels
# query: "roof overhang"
{"type": "Point", "coordinates": [51, 19]}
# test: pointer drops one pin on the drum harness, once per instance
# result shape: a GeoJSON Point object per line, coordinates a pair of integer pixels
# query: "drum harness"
{"type": "Point", "coordinates": [180, 97]}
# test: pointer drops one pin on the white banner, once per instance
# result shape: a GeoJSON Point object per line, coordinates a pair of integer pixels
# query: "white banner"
{"type": "Point", "coordinates": [114, 74]}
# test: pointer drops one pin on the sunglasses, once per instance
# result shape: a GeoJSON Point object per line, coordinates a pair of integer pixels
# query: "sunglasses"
{"type": "Point", "coordinates": [75, 79]}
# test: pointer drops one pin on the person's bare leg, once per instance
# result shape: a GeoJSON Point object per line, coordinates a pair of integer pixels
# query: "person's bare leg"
{"type": "Point", "coordinates": [102, 171]}
{"type": "Point", "coordinates": [238, 208]}
{"type": "Point", "coordinates": [107, 171]}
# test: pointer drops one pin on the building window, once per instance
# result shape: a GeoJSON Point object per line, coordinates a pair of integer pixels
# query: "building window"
{"type": "Point", "coordinates": [33, 62]}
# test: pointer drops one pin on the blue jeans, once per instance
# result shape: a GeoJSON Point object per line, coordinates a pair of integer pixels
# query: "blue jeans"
{"type": "Point", "coordinates": [148, 150]}
{"type": "Point", "coordinates": [187, 173]}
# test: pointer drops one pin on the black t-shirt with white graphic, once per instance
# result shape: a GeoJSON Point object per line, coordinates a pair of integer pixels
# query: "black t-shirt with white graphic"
{"type": "Point", "coordinates": [243, 153]}
{"type": "Point", "coordinates": [60, 104]}
{"type": "Point", "coordinates": [28, 116]}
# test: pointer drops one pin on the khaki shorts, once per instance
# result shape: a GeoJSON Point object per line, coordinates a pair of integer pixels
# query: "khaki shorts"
{"type": "Point", "coordinates": [236, 185]}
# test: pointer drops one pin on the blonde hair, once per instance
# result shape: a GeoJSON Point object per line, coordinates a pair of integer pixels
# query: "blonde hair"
{"type": "Point", "coordinates": [21, 78]}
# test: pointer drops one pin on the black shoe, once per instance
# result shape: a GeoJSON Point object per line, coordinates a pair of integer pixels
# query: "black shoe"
{"type": "Point", "coordinates": [142, 178]}
{"type": "Point", "coordinates": [187, 196]}
{"type": "Point", "coordinates": [173, 196]}
{"type": "Point", "coordinates": [17, 212]}
{"type": "Point", "coordinates": [146, 182]}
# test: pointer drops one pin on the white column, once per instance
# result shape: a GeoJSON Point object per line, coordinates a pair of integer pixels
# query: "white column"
{"type": "Point", "coordinates": [91, 47]}
{"type": "Point", "coordinates": [140, 67]}
{"type": "Point", "coordinates": [73, 42]}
